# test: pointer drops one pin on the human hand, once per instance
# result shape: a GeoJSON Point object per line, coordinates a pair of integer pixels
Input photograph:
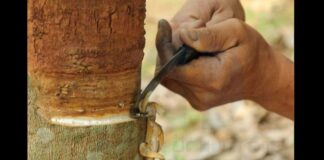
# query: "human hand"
{"type": "Point", "coordinates": [245, 68]}
{"type": "Point", "coordinates": [198, 13]}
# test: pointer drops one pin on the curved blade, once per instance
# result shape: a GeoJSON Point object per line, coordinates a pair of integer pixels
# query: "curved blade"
{"type": "Point", "coordinates": [182, 56]}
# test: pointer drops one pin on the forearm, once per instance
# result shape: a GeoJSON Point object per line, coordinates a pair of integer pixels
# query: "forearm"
{"type": "Point", "coordinates": [278, 94]}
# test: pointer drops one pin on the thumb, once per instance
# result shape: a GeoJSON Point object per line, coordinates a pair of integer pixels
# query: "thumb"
{"type": "Point", "coordinates": [163, 41]}
{"type": "Point", "coordinates": [216, 38]}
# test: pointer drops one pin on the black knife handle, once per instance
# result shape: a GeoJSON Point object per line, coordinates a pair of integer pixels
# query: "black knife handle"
{"type": "Point", "coordinates": [189, 55]}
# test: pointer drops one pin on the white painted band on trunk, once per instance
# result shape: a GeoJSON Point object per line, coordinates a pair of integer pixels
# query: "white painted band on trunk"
{"type": "Point", "coordinates": [92, 121]}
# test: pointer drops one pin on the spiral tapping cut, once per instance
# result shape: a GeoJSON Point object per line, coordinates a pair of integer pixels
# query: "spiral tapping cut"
{"type": "Point", "coordinates": [154, 134]}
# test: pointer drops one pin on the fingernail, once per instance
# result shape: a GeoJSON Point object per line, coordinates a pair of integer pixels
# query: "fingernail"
{"type": "Point", "coordinates": [161, 23]}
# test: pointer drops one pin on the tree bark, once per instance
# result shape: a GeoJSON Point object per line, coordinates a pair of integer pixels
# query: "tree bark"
{"type": "Point", "coordinates": [84, 60]}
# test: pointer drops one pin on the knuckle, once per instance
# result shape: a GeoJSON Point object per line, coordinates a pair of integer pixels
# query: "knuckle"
{"type": "Point", "coordinates": [207, 39]}
{"type": "Point", "coordinates": [230, 13]}
{"type": "Point", "coordinates": [239, 28]}
{"type": "Point", "coordinates": [236, 23]}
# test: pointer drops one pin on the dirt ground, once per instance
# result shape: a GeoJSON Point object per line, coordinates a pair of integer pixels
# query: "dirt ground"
{"type": "Point", "coordinates": [235, 131]}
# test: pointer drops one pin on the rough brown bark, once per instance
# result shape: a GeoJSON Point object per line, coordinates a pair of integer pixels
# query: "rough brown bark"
{"type": "Point", "coordinates": [84, 59]}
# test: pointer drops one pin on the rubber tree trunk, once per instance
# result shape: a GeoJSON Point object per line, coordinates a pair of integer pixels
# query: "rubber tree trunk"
{"type": "Point", "coordinates": [84, 60]}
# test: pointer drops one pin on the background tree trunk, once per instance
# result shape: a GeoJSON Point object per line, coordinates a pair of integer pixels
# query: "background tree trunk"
{"type": "Point", "coordinates": [84, 60]}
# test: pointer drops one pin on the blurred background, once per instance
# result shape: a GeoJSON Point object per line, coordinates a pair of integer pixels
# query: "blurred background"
{"type": "Point", "coordinates": [235, 131]}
